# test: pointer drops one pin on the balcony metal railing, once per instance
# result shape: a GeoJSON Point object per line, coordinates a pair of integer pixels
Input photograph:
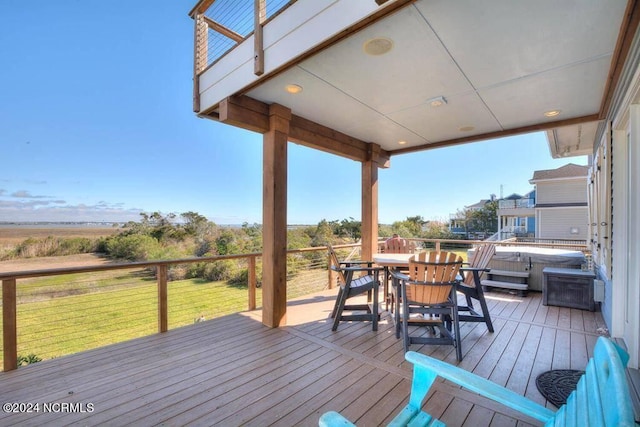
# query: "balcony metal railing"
{"type": "Point", "coordinates": [221, 25]}
{"type": "Point", "coordinates": [516, 204]}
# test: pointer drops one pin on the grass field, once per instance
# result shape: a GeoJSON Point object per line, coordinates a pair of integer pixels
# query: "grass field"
{"type": "Point", "coordinates": [65, 314]}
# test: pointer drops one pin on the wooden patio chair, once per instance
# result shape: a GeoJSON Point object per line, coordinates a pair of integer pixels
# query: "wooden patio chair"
{"type": "Point", "coordinates": [367, 280]}
{"type": "Point", "coordinates": [601, 398]}
{"type": "Point", "coordinates": [472, 289]}
{"type": "Point", "coordinates": [429, 292]}
{"type": "Point", "coordinates": [398, 245]}
{"type": "Point", "coordinates": [395, 245]}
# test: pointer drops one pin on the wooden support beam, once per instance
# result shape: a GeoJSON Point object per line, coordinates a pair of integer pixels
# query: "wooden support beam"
{"type": "Point", "coordinates": [245, 113]}
{"type": "Point", "coordinates": [369, 209]}
{"type": "Point", "coordinates": [248, 113]}
{"type": "Point", "coordinates": [222, 29]}
{"type": "Point", "coordinates": [260, 14]}
{"type": "Point", "coordinates": [274, 218]}
{"type": "Point", "coordinates": [499, 134]}
{"type": "Point", "coordinates": [200, 57]}
{"type": "Point", "coordinates": [9, 325]}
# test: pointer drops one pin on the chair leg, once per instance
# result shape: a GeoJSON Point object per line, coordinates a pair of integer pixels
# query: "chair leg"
{"type": "Point", "coordinates": [374, 311]}
{"type": "Point", "coordinates": [456, 327]}
{"type": "Point", "coordinates": [335, 306]}
{"type": "Point", "coordinates": [485, 310]}
{"type": "Point", "coordinates": [405, 325]}
{"type": "Point", "coordinates": [341, 301]}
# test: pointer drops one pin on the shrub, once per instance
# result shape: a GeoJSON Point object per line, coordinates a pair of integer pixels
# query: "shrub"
{"type": "Point", "coordinates": [135, 247]}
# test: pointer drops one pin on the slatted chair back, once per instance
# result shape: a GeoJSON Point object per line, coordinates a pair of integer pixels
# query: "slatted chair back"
{"type": "Point", "coordinates": [398, 245]}
{"type": "Point", "coordinates": [480, 259]}
{"type": "Point", "coordinates": [334, 265]}
{"type": "Point", "coordinates": [436, 274]}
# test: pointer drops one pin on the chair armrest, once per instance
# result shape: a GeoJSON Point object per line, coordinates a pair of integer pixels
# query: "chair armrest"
{"type": "Point", "coordinates": [334, 419]}
{"type": "Point", "coordinates": [474, 269]}
{"type": "Point", "coordinates": [356, 262]}
{"type": "Point", "coordinates": [355, 269]}
{"type": "Point", "coordinates": [397, 275]}
{"type": "Point", "coordinates": [428, 366]}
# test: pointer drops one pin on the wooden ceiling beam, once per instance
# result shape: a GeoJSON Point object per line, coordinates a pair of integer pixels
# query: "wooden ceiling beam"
{"type": "Point", "coordinates": [539, 127]}
{"type": "Point", "coordinates": [626, 35]}
{"type": "Point", "coordinates": [247, 113]}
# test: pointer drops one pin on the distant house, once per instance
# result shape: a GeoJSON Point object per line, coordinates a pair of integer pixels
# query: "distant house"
{"type": "Point", "coordinates": [516, 216]}
{"type": "Point", "coordinates": [561, 208]}
{"type": "Point", "coordinates": [458, 221]}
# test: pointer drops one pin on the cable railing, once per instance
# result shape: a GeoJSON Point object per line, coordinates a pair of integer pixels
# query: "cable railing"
{"type": "Point", "coordinates": [227, 24]}
{"type": "Point", "coordinates": [55, 312]}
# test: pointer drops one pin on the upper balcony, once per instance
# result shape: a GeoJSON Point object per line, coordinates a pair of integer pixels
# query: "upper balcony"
{"type": "Point", "coordinates": [518, 207]}
{"type": "Point", "coordinates": [405, 75]}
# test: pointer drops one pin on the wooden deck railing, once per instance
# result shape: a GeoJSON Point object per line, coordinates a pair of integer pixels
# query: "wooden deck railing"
{"type": "Point", "coordinates": [15, 284]}
{"type": "Point", "coordinates": [19, 295]}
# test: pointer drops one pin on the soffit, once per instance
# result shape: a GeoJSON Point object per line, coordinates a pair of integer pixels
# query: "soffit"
{"type": "Point", "coordinates": [500, 65]}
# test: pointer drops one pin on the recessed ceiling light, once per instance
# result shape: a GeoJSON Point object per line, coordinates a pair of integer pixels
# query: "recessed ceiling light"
{"type": "Point", "coordinates": [377, 46]}
{"type": "Point", "coordinates": [402, 142]}
{"type": "Point", "coordinates": [466, 128]}
{"type": "Point", "coordinates": [293, 88]}
{"type": "Point", "coordinates": [438, 101]}
{"type": "Point", "coordinates": [551, 113]}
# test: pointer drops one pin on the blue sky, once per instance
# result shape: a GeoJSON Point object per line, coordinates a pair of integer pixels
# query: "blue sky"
{"type": "Point", "coordinates": [96, 124]}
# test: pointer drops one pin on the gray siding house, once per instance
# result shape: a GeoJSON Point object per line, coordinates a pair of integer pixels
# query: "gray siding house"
{"type": "Point", "coordinates": [561, 208]}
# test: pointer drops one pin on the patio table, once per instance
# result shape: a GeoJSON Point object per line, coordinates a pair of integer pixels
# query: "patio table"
{"type": "Point", "coordinates": [390, 261]}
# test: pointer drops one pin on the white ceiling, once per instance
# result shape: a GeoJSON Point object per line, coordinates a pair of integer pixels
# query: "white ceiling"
{"type": "Point", "coordinates": [499, 64]}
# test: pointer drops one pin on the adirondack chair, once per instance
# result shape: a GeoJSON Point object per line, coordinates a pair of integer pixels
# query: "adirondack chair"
{"type": "Point", "coordinates": [398, 245]}
{"type": "Point", "coordinates": [472, 289]}
{"type": "Point", "coordinates": [352, 285]}
{"type": "Point", "coordinates": [395, 245]}
{"type": "Point", "coordinates": [601, 399]}
{"type": "Point", "coordinates": [429, 291]}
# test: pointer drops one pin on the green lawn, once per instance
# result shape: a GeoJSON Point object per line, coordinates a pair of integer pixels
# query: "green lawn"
{"type": "Point", "coordinates": [68, 314]}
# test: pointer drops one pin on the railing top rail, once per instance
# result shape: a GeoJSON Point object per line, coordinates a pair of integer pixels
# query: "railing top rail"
{"type": "Point", "coordinates": [24, 274]}
{"type": "Point", "coordinates": [144, 264]}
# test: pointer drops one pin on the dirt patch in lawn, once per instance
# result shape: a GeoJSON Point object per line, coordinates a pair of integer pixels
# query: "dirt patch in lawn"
{"type": "Point", "coordinates": [81, 260]}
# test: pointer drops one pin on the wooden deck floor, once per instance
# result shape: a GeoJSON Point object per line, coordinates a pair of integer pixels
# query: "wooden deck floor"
{"type": "Point", "coordinates": [234, 371]}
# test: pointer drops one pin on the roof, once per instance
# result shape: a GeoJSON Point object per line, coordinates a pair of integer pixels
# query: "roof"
{"type": "Point", "coordinates": [567, 171]}
{"type": "Point", "coordinates": [478, 205]}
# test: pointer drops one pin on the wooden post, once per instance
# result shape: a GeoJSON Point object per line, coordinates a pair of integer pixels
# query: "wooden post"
{"type": "Point", "coordinates": [252, 282]}
{"type": "Point", "coordinates": [200, 48]}
{"type": "Point", "coordinates": [163, 306]}
{"type": "Point", "coordinates": [260, 12]}
{"type": "Point", "coordinates": [274, 217]}
{"type": "Point", "coordinates": [9, 325]}
{"type": "Point", "coordinates": [370, 205]}
{"type": "Point", "coordinates": [438, 246]}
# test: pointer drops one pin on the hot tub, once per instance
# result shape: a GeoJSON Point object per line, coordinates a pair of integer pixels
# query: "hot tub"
{"type": "Point", "coordinates": [533, 260]}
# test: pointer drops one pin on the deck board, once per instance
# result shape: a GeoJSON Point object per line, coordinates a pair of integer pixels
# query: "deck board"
{"type": "Point", "coordinates": [235, 371]}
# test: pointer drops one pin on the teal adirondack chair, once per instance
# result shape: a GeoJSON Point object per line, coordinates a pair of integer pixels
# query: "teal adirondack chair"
{"type": "Point", "coordinates": [601, 398]}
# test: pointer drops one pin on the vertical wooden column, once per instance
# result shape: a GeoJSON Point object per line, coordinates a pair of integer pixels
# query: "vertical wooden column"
{"type": "Point", "coordinates": [9, 325]}
{"type": "Point", "coordinates": [200, 47]}
{"type": "Point", "coordinates": [260, 12]}
{"type": "Point", "coordinates": [370, 205]}
{"type": "Point", "coordinates": [274, 217]}
{"type": "Point", "coordinates": [163, 302]}
{"type": "Point", "coordinates": [252, 282]}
